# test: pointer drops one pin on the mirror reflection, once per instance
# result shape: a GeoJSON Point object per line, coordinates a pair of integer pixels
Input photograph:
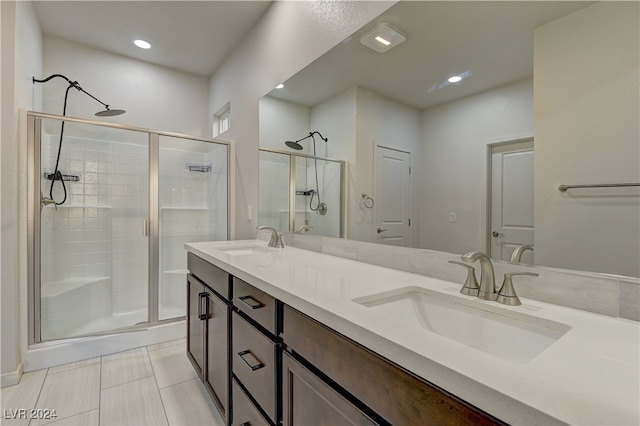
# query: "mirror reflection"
{"type": "Point", "coordinates": [463, 132]}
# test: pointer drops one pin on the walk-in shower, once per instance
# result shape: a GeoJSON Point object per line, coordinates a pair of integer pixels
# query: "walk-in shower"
{"type": "Point", "coordinates": [111, 257]}
{"type": "Point", "coordinates": [289, 182]}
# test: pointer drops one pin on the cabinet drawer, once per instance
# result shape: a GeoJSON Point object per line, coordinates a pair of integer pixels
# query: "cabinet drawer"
{"type": "Point", "coordinates": [369, 377]}
{"type": "Point", "coordinates": [244, 412]}
{"type": "Point", "coordinates": [254, 364]}
{"type": "Point", "coordinates": [307, 400]}
{"type": "Point", "coordinates": [211, 275]}
{"type": "Point", "coordinates": [256, 304]}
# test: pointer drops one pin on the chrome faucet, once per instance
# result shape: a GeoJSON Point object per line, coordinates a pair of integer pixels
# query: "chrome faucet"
{"type": "Point", "coordinates": [275, 240]}
{"type": "Point", "coordinates": [303, 228]}
{"type": "Point", "coordinates": [517, 253]}
{"type": "Point", "coordinates": [487, 278]}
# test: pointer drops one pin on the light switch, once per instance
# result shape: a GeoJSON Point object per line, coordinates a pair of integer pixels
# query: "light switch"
{"type": "Point", "coordinates": [249, 213]}
{"type": "Point", "coordinates": [452, 217]}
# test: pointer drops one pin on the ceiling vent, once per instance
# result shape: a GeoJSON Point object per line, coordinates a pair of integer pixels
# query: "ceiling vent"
{"type": "Point", "coordinates": [382, 38]}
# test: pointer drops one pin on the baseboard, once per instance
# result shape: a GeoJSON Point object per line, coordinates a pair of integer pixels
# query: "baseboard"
{"type": "Point", "coordinates": [12, 378]}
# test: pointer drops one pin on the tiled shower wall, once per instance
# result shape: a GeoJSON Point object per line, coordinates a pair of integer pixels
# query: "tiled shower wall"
{"type": "Point", "coordinates": [330, 190]}
{"type": "Point", "coordinates": [97, 234]}
{"type": "Point", "coordinates": [274, 193]}
{"type": "Point", "coordinates": [193, 207]}
{"type": "Point", "coordinates": [273, 190]}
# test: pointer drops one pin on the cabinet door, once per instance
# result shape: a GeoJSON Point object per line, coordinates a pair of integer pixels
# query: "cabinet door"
{"type": "Point", "coordinates": [195, 325]}
{"type": "Point", "coordinates": [217, 372]}
{"type": "Point", "coordinates": [307, 400]}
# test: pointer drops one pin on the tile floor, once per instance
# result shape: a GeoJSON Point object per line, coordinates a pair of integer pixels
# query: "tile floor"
{"type": "Point", "coordinates": [153, 385]}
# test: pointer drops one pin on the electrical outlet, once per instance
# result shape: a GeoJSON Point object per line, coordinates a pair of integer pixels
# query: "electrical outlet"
{"type": "Point", "coordinates": [452, 217]}
{"type": "Point", "coordinates": [249, 214]}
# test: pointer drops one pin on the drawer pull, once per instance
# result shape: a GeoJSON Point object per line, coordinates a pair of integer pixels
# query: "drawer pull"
{"type": "Point", "coordinates": [250, 359]}
{"type": "Point", "coordinates": [203, 309]}
{"type": "Point", "coordinates": [251, 302]}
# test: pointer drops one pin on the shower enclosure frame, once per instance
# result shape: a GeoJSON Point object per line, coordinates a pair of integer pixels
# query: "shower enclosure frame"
{"type": "Point", "coordinates": [292, 184]}
{"type": "Point", "coordinates": [151, 226]}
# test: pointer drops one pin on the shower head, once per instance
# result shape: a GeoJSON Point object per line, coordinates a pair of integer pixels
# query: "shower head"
{"type": "Point", "coordinates": [296, 144]}
{"type": "Point", "coordinates": [106, 113]}
{"type": "Point", "coordinates": [293, 145]}
{"type": "Point", "coordinates": [110, 112]}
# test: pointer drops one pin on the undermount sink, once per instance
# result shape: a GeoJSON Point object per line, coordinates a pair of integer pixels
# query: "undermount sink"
{"type": "Point", "coordinates": [245, 250]}
{"type": "Point", "coordinates": [510, 335]}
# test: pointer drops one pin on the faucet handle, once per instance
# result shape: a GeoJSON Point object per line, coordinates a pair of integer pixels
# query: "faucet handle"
{"type": "Point", "coordinates": [507, 294]}
{"type": "Point", "coordinates": [470, 287]}
{"type": "Point", "coordinates": [275, 240]}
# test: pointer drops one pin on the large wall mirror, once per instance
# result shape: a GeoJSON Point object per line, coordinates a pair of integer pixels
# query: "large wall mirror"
{"type": "Point", "coordinates": [547, 96]}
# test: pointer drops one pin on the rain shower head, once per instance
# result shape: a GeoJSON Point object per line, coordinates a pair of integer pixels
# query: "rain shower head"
{"type": "Point", "coordinates": [110, 112]}
{"type": "Point", "coordinates": [106, 113]}
{"type": "Point", "coordinates": [296, 144]}
{"type": "Point", "coordinates": [293, 145]}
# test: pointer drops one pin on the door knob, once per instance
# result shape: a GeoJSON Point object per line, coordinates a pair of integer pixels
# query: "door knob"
{"type": "Point", "coordinates": [380, 230]}
{"type": "Point", "coordinates": [497, 234]}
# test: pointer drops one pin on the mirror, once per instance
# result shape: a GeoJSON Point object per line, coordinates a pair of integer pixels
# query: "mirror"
{"type": "Point", "coordinates": [548, 97]}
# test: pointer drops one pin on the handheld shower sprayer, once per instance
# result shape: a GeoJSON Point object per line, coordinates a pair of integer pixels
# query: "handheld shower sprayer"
{"type": "Point", "coordinates": [107, 112]}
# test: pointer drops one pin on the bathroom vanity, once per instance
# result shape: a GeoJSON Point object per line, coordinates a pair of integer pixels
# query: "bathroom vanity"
{"type": "Point", "coordinates": [296, 337]}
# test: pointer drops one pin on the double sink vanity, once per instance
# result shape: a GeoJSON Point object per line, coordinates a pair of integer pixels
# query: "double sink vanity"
{"type": "Point", "coordinates": [290, 336]}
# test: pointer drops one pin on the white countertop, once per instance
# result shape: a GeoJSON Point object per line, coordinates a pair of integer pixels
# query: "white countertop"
{"type": "Point", "coordinates": [590, 375]}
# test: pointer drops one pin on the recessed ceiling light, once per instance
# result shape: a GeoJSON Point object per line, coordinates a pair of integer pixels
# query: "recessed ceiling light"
{"type": "Point", "coordinates": [280, 86]}
{"type": "Point", "coordinates": [142, 44]}
{"type": "Point", "coordinates": [449, 81]}
{"type": "Point", "coordinates": [382, 38]}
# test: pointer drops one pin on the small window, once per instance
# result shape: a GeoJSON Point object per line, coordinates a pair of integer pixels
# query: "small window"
{"type": "Point", "coordinates": [222, 120]}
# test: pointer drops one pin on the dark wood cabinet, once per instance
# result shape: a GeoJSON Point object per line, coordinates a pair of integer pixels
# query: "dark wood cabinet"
{"type": "Point", "coordinates": [254, 360]}
{"type": "Point", "coordinates": [196, 328]}
{"type": "Point", "coordinates": [391, 393]}
{"type": "Point", "coordinates": [216, 379]}
{"type": "Point", "coordinates": [245, 412]}
{"type": "Point", "coordinates": [208, 315]}
{"type": "Point", "coordinates": [264, 362]}
{"type": "Point", "coordinates": [307, 400]}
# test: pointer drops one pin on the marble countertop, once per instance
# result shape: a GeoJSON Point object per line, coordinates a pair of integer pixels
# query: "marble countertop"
{"type": "Point", "coordinates": [590, 375]}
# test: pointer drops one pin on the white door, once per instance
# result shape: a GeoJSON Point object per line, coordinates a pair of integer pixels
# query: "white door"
{"type": "Point", "coordinates": [391, 224]}
{"type": "Point", "coordinates": [511, 199]}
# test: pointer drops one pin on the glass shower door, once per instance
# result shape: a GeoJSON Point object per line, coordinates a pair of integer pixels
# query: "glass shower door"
{"type": "Point", "coordinates": [193, 200]}
{"type": "Point", "coordinates": [93, 245]}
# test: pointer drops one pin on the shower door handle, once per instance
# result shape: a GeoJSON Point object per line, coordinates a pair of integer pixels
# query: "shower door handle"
{"type": "Point", "coordinates": [145, 227]}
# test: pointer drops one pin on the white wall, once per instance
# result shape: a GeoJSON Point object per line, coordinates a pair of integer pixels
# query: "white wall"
{"type": "Point", "coordinates": [385, 122]}
{"type": "Point", "coordinates": [335, 119]}
{"type": "Point", "coordinates": [154, 97]}
{"type": "Point", "coordinates": [281, 121]}
{"type": "Point", "coordinates": [290, 36]}
{"type": "Point", "coordinates": [587, 127]}
{"type": "Point", "coordinates": [21, 57]}
{"type": "Point", "coordinates": [454, 162]}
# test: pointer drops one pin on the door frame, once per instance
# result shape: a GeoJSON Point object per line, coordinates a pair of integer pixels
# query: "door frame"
{"type": "Point", "coordinates": [525, 137]}
{"type": "Point", "coordinates": [375, 189]}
